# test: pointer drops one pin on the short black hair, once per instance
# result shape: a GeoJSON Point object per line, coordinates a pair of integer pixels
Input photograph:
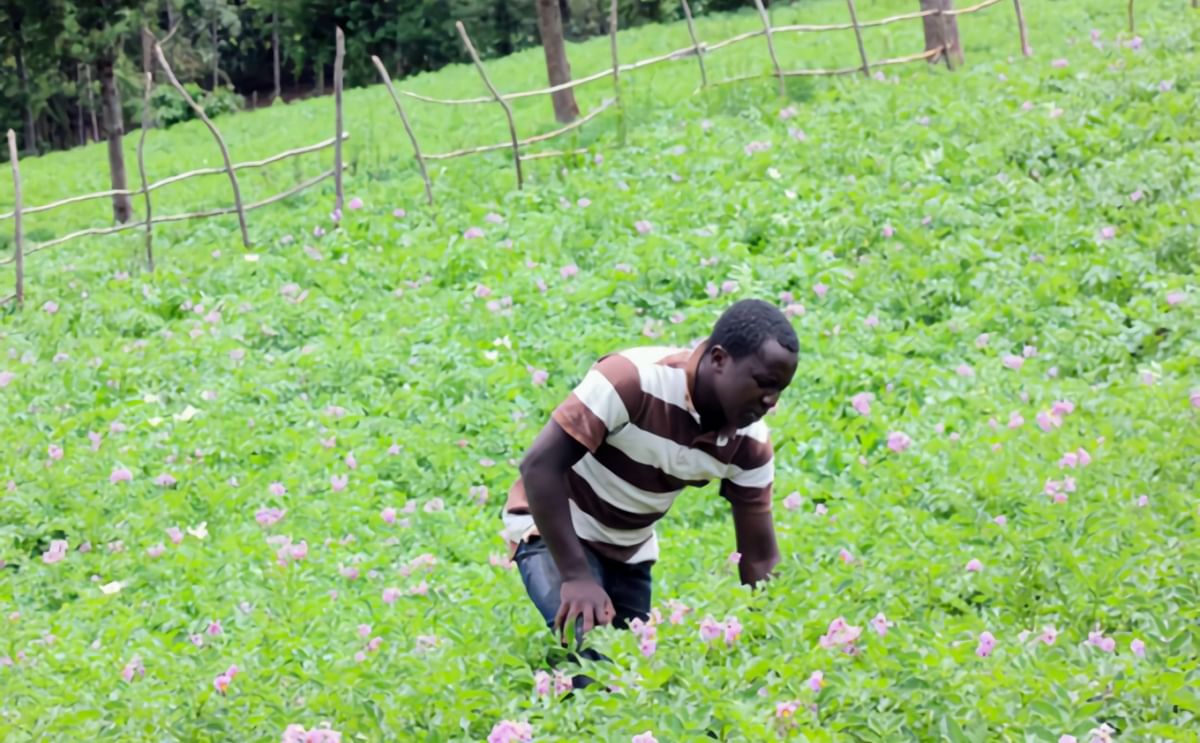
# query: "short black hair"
{"type": "Point", "coordinates": [744, 327]}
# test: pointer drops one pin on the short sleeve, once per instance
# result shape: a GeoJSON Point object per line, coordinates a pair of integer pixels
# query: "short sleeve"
{"type": "Point", "coordinates": [748, 485]}
{"type": "Point", "coordinates": [607, 398]}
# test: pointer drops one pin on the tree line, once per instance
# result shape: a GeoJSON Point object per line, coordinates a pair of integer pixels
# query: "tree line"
{"type": "Point", "coordinates": [72, 71]}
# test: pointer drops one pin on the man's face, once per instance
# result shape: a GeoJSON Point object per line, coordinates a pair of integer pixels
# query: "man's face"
{"type": "Point", "coordinates": [750, 386]}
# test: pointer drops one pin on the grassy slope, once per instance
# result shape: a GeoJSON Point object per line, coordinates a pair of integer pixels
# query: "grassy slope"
{"type": "Point", "coordinates": [411, 369]}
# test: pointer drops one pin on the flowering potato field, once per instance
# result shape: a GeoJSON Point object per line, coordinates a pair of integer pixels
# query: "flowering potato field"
{"type": "Point", "coordinates": [255, 495]}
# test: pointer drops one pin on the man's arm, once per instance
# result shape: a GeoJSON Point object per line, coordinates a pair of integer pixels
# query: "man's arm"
{"type": "Point", "coordinates": [755, 530]}
{"type": "Point", "coordinates": [543, 472]}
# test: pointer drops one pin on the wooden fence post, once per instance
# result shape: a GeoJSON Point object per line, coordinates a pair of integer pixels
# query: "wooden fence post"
{"type": "Point", "coordinates": [941, 32]}
{"type": "Point", "coordinates": [141, 160]}
{"type": "Point", "coordinates": [862, 50]}
{"type": "Point", "coordinates": [387, 81]}
{"type": "Point", "coordinates": [338, 59]}
{"type": "Point", "coordinates": [687, 13]}
{"type": "Point", "coordinates": [237, 192]}
{"type": "Point", "coordinates": [1025, 50]}
{"type": "Point", "coordinates": [1130, 12]}
{"type": "Point", "coordinates": [512, 127]}
{"type": "Point", "coordinates": [766, 21]}
{"type": "Point", "coordinates": [18, 248]}
{"type": "Point", "coordinates": [616, 70]}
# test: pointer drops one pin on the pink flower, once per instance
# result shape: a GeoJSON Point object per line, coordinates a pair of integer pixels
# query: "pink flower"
{"type": "Point", "coordinates": [399, 213]}
{"type": "Point", "coordinates": [120, 474]}
{"type": "Point", "coordinates": [974, 565]}
{"type": "Point", "coordinates": [797, 134]}
{"type": "Point", "coordinates": [732, 629]}
{"type": "Point", "coordinates": [820, 290]}
{"type": "Point", "coordinates": [493, 218]}
{"type": "Point", "coordinates": [351, 462]}
{"type": "Point", "coordinates": [880, 624]}
{"type": "Point", "coordinates": [214, 628]}
{"type": "Point", "coordinates": [898, 442]}
{"type": "Point", "coordinates": [816, 680]}
{"type": "Point", "coordinates": [539, 377]}
{"type": "Point", "coordinates": [888, 230]}
{"type": "Point", "coordinates": [390, 595]}
{"type": "Point", "coordinates": [434, 505]}
{"type": "Point", "coordinates": [1049, 635]}
{"type": "Point", "coordinates": [421, 589]}
{"type": "Point", "coordinates": [862, 402]}
{"type": "Point", "coordinates": [276, 489]}
{"type": "Point", "coordinates": [1174, 298]}
{"type": "Point", "coordinates": [1135, 43]}
{"type": "Point", "coordinates": [677, 611]}
{"type": "Point", "coordinates": [981, 340]}
{"type": "Point", "coordinates": [1108, 644]}
{"type": "Point", "coordinates": [374, 643]}
{"type": "Point", "coordinates": [1084, 458]}
{"type": "Point", "coordinates": [1067, 739]}
{"type": "Point", "coordinates": [175, 534]}
{"type": "Point", "coordinates": [734, 558]}
{"type": "Point", "coordinates": [355, 204]}
{"type": "Point", "coordinates": [1015, 420]}
{"type": "Point", "coordinates": [541, 683]}
{"type": "Point", "coordinates": [1001, 520]}
{"type": "Point", "coordinates": [845, 556]}
{"type": "Point", "coordinates": [297, 734]}
{"type": "Point", "coordinates": [794, 310]}
{"type": "Point", "coordinates": [1047, 421]}
{"type": "Point", "coordinates": [50, 308]}
{"type": "Point", "coordinates": [1138, 648]}
{"type": "Point", "coordinates": [756, 146]}
{"type": "Point", "coordinates": [729, 286]}
{"type": "Point", "coordinates": [792, 501]}
{"type": "Point", "coordinates": [1059, 63]}
{"type": "Point", "coordinates": [473, 233]}
{"type": "Point", "coordinates": [1143, 501]}
{"type": "Point", "coordinates": [964, 370]}
{"type": "Point", "coordinates": [1013, 362]}
{"type": "Point", "coordinates": [339, 482]}
{"type": "Point", "coordinates": [388, 515]}
{"type": "Point", "coordinates": [56, 552]}
{"type": "Point", "coordinates": [820, 509]}
{"type": "Point", "coordinates": [562, 683]}
{"type": "Point", "coordinates": [643, 227]}
{"type": "Point", "coordinates": [350, 573]}
{"type": "Point", "coordinates": [221, 683]}
{"type": "Point", "coordinates": [840, 634]}
{"type": "Point", "coordinates": [568, 271]}
{"type": "Point", "coordinates": [165, 481]}
{"type": "Point", "coordinates": [987, 642]}
{"type": "Point", "coordinates": [646, 737]}
{"type": "Point", "coordinates": [156, 550]}
{"type": "Point", "coordinates": [6, 378]}
{"type": "Point", "coordinates": [196, 639]}
{"type": "Point", "coordinates": [648, 646]}
{"type": "Point", "coordinates": [55, 452]}
{"type": "Point", "coordinates": [318, 231]}
{"type": "Point", "coordinates": [134, 666]}
{"type": "Point", "coordinates": [710, 629]}
{"type": "Point", "coordinates": [1070, 459]}
{"type": "Point", "coordinates": [299, 551]}
{"type": "Point", "coordinates": [268, 516]}
{"type": "Point", "coordinates": [507, 731]}
{"type": "Point", "coordinates": [1107, 232]}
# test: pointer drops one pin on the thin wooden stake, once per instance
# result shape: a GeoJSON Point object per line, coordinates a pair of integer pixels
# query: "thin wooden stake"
{"type": "Point", "coordinates": [141, 160]}
{"type": "Point", "coordinates": [687, 13]}
{"type": "Point", "coordinates": [616, 70]}
{"type": "Point", "coordinates": [387, 81]}
{"type": "Point", "coordinates": [1130, 16]}
{"type": "Point", "coordinates": [946, 38]}
{"type": "Point", "coordinates": [766, 20]}
{"type": "Point", "coordinates": [862, 50]}
{"type": "Point", "coordinates": [512, 127]}
{"type": "Point", "coordinates": [18, 248]}
{"type": "Point", "coordinates": [339, 57]}
{"type": "Point", "coordinates": [1025, 50]}
{"type": "Point", "coordinates": [237, 192]}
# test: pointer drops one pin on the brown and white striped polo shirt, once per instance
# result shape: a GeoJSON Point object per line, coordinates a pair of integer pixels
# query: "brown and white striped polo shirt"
{"type": "Point", "coordinates": [634, 413]}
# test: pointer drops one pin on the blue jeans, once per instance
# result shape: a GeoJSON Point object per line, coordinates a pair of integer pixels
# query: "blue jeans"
{"type": "Point", "coordinates": [627, 585]}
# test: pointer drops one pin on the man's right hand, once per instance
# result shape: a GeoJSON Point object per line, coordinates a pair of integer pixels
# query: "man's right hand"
{"type": "Point", "coordinates": [583, 599]}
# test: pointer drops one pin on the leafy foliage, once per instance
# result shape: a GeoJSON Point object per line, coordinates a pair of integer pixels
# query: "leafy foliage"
{"type": "Point", "coordinates": [169, 108]}
{"type": "Point", "coordinates": [1012, 286]}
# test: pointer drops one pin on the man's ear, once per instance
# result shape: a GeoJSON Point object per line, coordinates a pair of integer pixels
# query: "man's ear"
{"type": "Point", "coordinates": [720, 358]}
